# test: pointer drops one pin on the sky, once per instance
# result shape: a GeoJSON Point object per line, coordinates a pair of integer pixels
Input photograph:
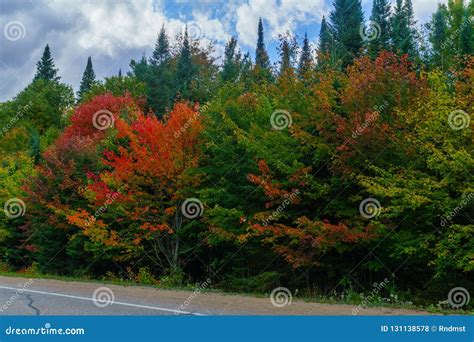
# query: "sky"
{"type": "Point", "coordinates": [113, 32]}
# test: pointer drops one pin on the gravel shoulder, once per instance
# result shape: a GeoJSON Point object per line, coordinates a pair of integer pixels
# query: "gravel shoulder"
{"type": "Point", "coordinates": [23, 296]}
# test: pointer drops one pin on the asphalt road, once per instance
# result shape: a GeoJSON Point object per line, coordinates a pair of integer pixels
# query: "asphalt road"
{"type": "Point", "coordinates": [23, 296]}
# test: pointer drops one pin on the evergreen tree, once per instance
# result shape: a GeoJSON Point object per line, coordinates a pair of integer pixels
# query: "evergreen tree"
{"type": "Point", "coordinates": [305, 62]}
{"type": "Point", "coordinates": [411, 22]}
{"type": "Point", "coordinates": [325, 37]}
{"type": "Point", "coordinates": [88, 79]}
{"type": "Point", "coordinates": [403, 28]}
{"type": "Point", "coordinates": [326, 47]}
{"type": "Point", "coordinates": [159, 77]}
{"type": "Point", "coordinates": [381, 19]}
{"type": "Point", "coordinates": [466, 37]}
{"type": "Point", "coordinates": [35, 148]}
{"type": "Point", "coordinates": [438, 36]}
{"type": "Point", "coordinates": [140, 68]}
{"type": "Point", "coordinates": [287, 51]}
{"type": "Point", "coordinates": [346, 21]}
{"type": "Point", "coordinates": [45, 68]}
{"type": "Point", "coordinates": [185, 68]}
{"type": "Point", "coordinates": [120, 72]}
{"type": "Point", "coordinates": [232, 61]}
{"type": "Point", "coordinates": [261, 56]}
{"type": "Point", "coordinates": [162, 49]}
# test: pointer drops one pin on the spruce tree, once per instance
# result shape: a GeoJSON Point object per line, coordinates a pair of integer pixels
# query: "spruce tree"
{"type": "Point", "coordinates": [140, 69]}
{"type": "Point", "coordinates": [162, 48]}
{"type": "Point", "coordinates": [438, 36]}
{"type": "Point", "coordinates": [232, 61]}
{"type": "Point", "coordinates": [261, 56]}
{"type": "Point", "coordinates": [159, 76]}
{"type": "Point", "coordinates": [45, 68]}
{"type": "Point", "coordinates": [88, 79]}
{"type": "Point", "coordinates": [410, 42]}
{"type": "Point", "coordinates": [403, 28]}
{"type": "Point", "coordinates": [185, 68]}
{"type": "Point", "coordinates": [35, 148]}
{"type": "Point", "coordinates": [305, 62]}
{"type": "Point", "coordinates": [325, 37]}
{"type": "Point", "coordinates": [381, 19]}
{"type": "Point", "coordinates": [346, 21]}
{"type": "Point", "coordinates": [466, 36]}
{"type": "Point", "coordinates": [287, 51]}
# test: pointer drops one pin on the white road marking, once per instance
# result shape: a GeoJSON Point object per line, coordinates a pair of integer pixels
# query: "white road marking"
{"type": "Point", "coordinates": [114, 302]}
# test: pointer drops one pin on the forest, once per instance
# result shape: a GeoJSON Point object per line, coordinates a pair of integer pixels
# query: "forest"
{"type": "Point", "coordinates": [338, 166]}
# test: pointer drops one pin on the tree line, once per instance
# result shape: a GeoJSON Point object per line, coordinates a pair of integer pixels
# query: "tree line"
{"type": "Point", "coordinates": [331, 169]}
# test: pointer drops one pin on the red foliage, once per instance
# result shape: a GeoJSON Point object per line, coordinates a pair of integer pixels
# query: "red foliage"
{"type": "Point", "coordinates": [152, 162]}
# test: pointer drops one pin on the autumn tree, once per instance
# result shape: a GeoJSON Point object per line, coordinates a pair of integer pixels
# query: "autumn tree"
{"type": "Point", "coordinates": [151, 167]}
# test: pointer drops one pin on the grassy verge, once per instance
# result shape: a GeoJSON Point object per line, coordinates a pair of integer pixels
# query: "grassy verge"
{"type": "Point", "coordinates": [349, 300]}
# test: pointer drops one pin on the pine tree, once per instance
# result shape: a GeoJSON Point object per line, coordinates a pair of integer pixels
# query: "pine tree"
{"type": "Point", "coordinates": [140, 68]}
{"type": "Point", "coordinates": [305, 62]}
{"type": "Point", "coordinates": [88, 79]}
{"type": "Point", "coordinates": [438, 36]}
{"type": "Point", "coordinates": [466, 36]}
{"type": "Point", "coordinates": [45, 68]}
{"type": "Point", "coordinates": [381, 20]}
{"type": "Point", "coordinates": [346, 21]}
{"type": "Point", "coordinates": [411, 22]}
{"type": "Point", "coordinates": [403, 28]}
{"type": "Point", "coordinates": [185, 68]}
{"type": "Point", "coordinates": [162, 49]}
{"type": "Point", "coordinates": [232, 61]}
{"type": "Point", "coordinates": [35, 148]}
{"type": "Point", "coordinates": [261, 56]}
{"type": "Point", "coordinates": [325, 37]}
{"type": "Point", "coordinates": [287, 51]}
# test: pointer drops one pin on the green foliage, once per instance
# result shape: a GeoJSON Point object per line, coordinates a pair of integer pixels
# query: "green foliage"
{"type": "Point", "coordinates": [87, 81]}
{"type": "Point", "coordinates": [45, 69]}
{"type": "Point", "coordinates": [381, 19]}
{"type": "Point", "coordinates": [280, 164]}
{"type": "Point", "coordinates": [346, 21]}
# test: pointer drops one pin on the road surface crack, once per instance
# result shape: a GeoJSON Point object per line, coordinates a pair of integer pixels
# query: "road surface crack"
{"type": "Point", "coordinates": [30, 305]}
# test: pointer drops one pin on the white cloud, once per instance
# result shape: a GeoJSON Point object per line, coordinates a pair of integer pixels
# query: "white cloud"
{"type": "Point", "coordinates": [424, 8]}
{"type": "Point", "coordinates": [279, 17]}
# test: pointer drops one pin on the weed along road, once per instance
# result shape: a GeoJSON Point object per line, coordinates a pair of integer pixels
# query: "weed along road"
{"type": "Point", "coordinates": [31, 296]}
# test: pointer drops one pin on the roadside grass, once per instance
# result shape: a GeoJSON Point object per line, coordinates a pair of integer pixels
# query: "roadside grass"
{"type": "Point", "coordinates": [351, 298]}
